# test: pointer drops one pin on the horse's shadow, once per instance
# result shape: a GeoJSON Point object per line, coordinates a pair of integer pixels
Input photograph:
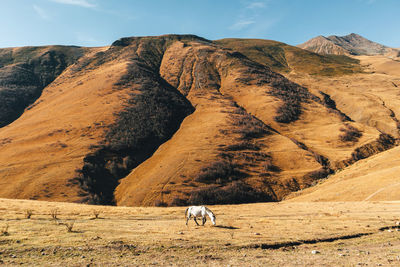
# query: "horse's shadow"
{"type": "Point", "coordinates": [227, 227]}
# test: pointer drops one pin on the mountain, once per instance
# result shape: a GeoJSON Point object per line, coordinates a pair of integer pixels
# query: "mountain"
{"type": "Point", "coordinates": [24, 72]}
{"type": "Point", "coordinates": [352, 44]}
{"type": "Point", "coordinates": [179, 119]}
{"type": "Point", "coordinates": [284, 58]}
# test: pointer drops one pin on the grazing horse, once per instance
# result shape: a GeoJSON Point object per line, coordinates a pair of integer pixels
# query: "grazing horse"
{"type": "Point", "coordinates": [199, 211]}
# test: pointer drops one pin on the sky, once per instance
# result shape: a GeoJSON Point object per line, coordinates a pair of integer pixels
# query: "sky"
{"type": "Point", "coordinates": [100, 22]}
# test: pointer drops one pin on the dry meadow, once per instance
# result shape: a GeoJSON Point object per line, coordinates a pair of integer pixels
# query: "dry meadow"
{"type": "Point", "coordinates": [274, 234]}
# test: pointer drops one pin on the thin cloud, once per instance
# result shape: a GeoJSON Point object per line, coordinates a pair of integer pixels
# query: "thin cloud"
{"type": "Point", "coordinates": [241, 24]}
{"type": "Point", "coordinates": [254, 5]}
{"type": "Point", "coordinates": [81, 3]}
{"type": "Point", "coordinates": [41, 12]}
{"type": "Point", "coordinates": [249, 15]}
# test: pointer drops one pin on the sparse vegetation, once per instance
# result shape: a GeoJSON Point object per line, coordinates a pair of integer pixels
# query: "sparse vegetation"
{"type": "Point", "coordinates": [329, 103]}
{"type": "Point", "coordinates": [233, 193]}
{"type": "Point", "coordinates": [319, 174]}
{"type": "Point", "coordinates": [243, 145]}
{"type": "Point", "coordinates": [292, 96]}
{"type": "Point", "coordinates": [69, 226]}
{"type": "Point", "coordinates": [28, 213]}
{"type": "Point", "coordinates": [384, 142]}
{"type": "Point", "coordinates": [270, 167]}
{"type": "Point", "coordinates": [54, 213]}
{"type": "Point", "coordinates": [4, 230]}
{"type": "Point", "coordinates": [221, 171]}
{"type": "Point", "coordinates": [248, 126]}
{"type": "Point", "coordinates": [350, 133]}
{"type": "Point", "coordinates": [160, 203]}
{"type": "Point", "coordinates": [96, 214]}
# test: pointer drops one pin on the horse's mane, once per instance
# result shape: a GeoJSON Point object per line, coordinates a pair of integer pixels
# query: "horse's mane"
{"type": "Point", "coordinates": [208, 210]}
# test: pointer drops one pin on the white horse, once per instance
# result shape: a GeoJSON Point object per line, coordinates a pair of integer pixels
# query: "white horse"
{"type": "Point", "coordinates": [199, 211]}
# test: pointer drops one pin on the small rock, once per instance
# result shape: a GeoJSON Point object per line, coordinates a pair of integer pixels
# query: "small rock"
{"type": "Point", "coordinates": [257, 233]}
{"type": "Point", "coordinates": [315, 252]}
{"type": "Point", "coordinates": [13, 256]}
{"type": "Point", "coordinates": [389, 231]}
{"type": "Point", "coordinates": [83, 256]}
{"type": "Point", "coordinates": [180, 233]}
{"type": "Point", "coordinates": [43, 253]}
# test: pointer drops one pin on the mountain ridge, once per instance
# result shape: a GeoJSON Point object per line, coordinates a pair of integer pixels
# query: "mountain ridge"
{"type": "Point", "coordinates": [351, 44]}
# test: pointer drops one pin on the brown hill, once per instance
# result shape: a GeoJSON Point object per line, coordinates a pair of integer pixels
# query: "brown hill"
{"type": "Point", "coordinates": [352, 44]}
{"type": "Point", "coordinates": [25, 71]}
{"type": "Point", "coordinates": [284, 58]}
{"type": "Point", "coordinates": [178, 119]}
{"type": "Point", "coordinates": [367, 98]}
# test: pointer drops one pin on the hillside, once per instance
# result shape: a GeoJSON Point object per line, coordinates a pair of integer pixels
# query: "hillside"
{"type": "Point", "coordinates": [25, 71]}
{"type": "Point", "coordinates": [352, 44]}
{"type": "Point", "coordinates": [178, 120]}
{"type": "Point", "coordinates": [284, 58]}
{"type": "Point", "coordinates": [367, 98]}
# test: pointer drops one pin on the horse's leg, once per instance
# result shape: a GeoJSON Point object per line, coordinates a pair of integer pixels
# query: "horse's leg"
{"type": "Point", "coordinates": [194, 217]}
{"type": "Point", "coordinates": [204, 220]}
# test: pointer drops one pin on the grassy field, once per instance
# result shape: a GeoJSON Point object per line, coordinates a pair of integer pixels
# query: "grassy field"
{"type": "Point", "coordinates": [278, 234]}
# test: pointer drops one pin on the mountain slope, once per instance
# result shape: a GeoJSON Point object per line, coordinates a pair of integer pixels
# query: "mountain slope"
{"type": "Point", "coordinates": [284, 58]}
{"type": "Point", "coordinates": [24, 72]}
{"type": "Point", "coordinates": [178, 119]}
{"type": "Point", "coordinates": [375, 179]}
{"type": "Point", "coordinates": [352, 44]}
{"type": "Point", "coordinates": [323, 45]}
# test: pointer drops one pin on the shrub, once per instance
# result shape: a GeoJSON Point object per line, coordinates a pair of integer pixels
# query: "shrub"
{"type": "Point", "coordinates": [54, 213]}
{"type": "Point", "coordinates": [28, 213]}
{"type": "Point", "coordinates": [160, 203]}
{"type": "Point", "coordinates": [69, 226]}
{"type": "Point", "coordinates": [350, 134]}
{"type": "Point", "coordinates": [248, 126]}
{"type": "Point", "coordinates": [96, 214]}
{"type": "Point", "coordinates": [233, 193]}
{"type": "Point", "coordinates": [245, 145]}
{"type": "Point", "coordinates": [328, 102]}
{"type": "Point", "coordinates": [270, 167]}
{"type": "Point", "coordinates": [4, 230]}
{"type": "Point", "coordinates": [179, 202]}
{"type": "Point", "coordinates": [319, 174]}
{"type": "Point", "coordinates": [292, 96]}
{"type": "Point", "coordinates": [384, 142]}
{"type": "Point", "coordinates": [220, 170]}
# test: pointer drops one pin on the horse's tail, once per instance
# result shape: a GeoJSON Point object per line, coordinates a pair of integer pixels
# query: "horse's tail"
{"type": "Point", "coordinates": [186, 211]}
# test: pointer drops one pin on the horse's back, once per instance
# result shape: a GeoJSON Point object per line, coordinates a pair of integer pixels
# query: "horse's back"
{"type": "Point", "coordinates": [196, 210]}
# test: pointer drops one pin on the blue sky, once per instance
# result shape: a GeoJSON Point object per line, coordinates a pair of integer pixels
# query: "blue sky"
{"type": "Point", "coordinates": [100, 22]}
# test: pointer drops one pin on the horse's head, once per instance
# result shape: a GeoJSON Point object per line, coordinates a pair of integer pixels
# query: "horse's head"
{"type": "Point", "coordinates": [213, 218]}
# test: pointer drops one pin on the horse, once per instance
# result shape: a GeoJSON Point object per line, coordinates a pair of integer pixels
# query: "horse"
{"type": "Point", "coordinates": [199, 211]}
